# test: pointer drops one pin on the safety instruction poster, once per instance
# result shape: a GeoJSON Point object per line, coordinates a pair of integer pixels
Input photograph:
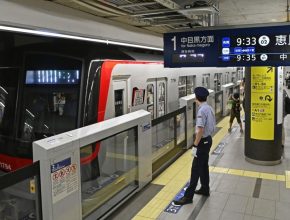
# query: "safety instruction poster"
{"type": "Point", "coordinates": [262, 103]}
{"type": "Point", "coordinates": [64, 179]}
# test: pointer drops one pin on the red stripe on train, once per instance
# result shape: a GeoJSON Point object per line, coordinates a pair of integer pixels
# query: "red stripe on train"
{"type": "Point", "coordinates": [8, 163]}
{"type": "Point", "coordinates": [105, 80]}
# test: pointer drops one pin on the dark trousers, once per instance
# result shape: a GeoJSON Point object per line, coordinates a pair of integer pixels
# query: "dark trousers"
{"type": "Point", "coordinates": [199, 168]}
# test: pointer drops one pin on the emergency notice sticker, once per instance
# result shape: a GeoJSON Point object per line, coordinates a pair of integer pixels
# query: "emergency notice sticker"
{"type": "Point", "coordinates": [64, 179]}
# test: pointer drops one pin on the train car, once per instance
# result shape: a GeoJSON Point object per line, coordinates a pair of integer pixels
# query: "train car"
{"type": "Point", "coordinates": [52, 85]}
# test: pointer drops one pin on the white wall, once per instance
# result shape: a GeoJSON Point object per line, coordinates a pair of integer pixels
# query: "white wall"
{"type": "Point", "coordinates": [42, 14]}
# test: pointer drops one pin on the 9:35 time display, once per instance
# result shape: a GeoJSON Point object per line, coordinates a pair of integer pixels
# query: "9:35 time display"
{"type": "Point", "coordinates": [246, 57]}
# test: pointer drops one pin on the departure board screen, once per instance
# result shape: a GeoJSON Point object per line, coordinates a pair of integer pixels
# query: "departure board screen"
{"type": "Point", "coordinates": [255, 48]}
{"type": "Point", "coordinates": [34, 77]}
{"type": "Point", "coordinates": [251, 46]}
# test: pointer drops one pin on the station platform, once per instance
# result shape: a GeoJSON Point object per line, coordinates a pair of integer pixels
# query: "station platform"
{"type": "Point", "coordinates": [239, 190]}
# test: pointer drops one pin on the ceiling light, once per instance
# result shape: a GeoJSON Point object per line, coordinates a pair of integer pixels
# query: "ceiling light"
{"type": "Point", "coordinates": [73, 37]}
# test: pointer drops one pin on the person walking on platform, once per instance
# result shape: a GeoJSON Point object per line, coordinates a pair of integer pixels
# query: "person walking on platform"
{"type": "Point", "coordinates": [235, 111]}
{"type": "Point", "coordinates": [205, 127]}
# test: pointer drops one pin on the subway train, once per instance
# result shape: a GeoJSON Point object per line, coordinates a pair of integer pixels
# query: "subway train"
{"type": "Point", "coordinates": [52, 85]}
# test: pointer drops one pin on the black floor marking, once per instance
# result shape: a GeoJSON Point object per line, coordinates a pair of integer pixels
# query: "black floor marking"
{"type": "Point", "coordinates": [198, 207]}
{"type": "Point", "coordinates": [257, 189]}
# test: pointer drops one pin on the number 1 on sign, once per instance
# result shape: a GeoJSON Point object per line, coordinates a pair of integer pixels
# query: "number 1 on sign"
{"type": "Point", "coordinates": [174, 43]}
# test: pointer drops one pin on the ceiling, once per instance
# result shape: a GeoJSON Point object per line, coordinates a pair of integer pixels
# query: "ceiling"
{"type": "Point", "coordinates": [162, 16]}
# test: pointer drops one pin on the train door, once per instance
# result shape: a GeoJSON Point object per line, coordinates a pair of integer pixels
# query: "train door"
{"type": "Point", "coordinates": [206, 81]}
{"type": "Point", "coordinates": [227, 78]}
{"type": "Point", "coordinates": [120, 97]}
{"type": "Point", "coordinates": [217, 81]}
{"type": "Point", "coordinates": [157, 97]}
{"type": "Point", "coordinates": [190, 84]}
{"type": "Point", "coordinates": [182, 86]}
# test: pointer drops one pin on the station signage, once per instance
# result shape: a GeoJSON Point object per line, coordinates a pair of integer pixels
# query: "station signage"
{"type": "Point", "coordinates": [262, 103]}
{"type": "Point", "coordinates": [248, 46]}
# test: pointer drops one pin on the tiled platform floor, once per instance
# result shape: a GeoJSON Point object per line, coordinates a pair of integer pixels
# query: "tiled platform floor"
{"type": "Point", "coordinates": [239, 189]}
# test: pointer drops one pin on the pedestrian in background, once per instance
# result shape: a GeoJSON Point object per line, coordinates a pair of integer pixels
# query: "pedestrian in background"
{"type": "Point", "coordinates": [205, 126]}
{"type": "Point", "coordinates": [235, 111]}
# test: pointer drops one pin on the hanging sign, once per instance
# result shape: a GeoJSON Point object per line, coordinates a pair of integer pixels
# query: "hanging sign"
{"type": "Point", "coordinates": [243, 46]}
{"type": "Point", "coordinates": [262, 103]}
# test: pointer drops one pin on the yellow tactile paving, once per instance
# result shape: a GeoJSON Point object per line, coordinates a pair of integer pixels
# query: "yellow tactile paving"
{"type": "Point", "coordinates": [220, 170]}
{"type": "Point", "coordinates": [161, 181]}
{"type": "Point", "coordinates": [268, 176]}
{"type": "Point", "coordinates": [236, 172]}
{"type": "Point", "coordinates": [210, 168]}
{"type": "Point", "coordinates": [281, 178]}
{"type": "Point", "coordinates": [251, 174]}
{"type": "Point", "coordinates": [137, 217]}
{"type": "Point", "coordinates": [287, 174]}
{"type": "Point", "coordinates": [287, 178]}
{"type": "Point", "coordinates": [220, 134]}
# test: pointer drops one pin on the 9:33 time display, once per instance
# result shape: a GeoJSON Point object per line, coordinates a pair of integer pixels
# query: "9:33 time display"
{"type": "Point", "coordinates": [246, 41]}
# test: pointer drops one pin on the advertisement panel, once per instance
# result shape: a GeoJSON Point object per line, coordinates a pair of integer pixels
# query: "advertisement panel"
{"type": "Point", "coordinates": [262, 103]}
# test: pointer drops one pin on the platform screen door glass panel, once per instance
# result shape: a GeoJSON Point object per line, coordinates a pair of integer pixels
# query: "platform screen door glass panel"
{"type": "Point", "coordinates": [20, 197]}
{"type": "Point", "coordinates": [218, 104]}
{"type": "Point", "coordinates": [162, 139]}
{"type": "Point", "coordinates": [180, 128]}
{"type": "Point", "coordinates": [109, 172]}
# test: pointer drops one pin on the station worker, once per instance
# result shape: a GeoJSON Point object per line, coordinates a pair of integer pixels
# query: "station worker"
{"type": "Point", "coordinates": [205, 127]}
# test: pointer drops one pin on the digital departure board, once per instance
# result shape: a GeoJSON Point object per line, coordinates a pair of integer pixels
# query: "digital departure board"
{"type": "Point", "coordinates": [251, 46]}
{"type": "Point", "coordinates": [35, 77]}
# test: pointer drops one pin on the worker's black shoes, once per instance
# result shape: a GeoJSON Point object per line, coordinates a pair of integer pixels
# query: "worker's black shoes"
{"type": "Point", "coordinates": [202, 191]}
{"type": "Point", "coordinates": [183, 201]}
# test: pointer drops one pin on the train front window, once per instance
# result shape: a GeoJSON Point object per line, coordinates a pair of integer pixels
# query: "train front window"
{"type": "Point", "coordinates": [50, 103]}
{"type": "Point", "coordinates": [8, 94]}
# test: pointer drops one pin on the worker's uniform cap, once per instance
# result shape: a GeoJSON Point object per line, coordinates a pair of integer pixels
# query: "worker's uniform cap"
{"type": "Point", "coordinates": [201, 92]}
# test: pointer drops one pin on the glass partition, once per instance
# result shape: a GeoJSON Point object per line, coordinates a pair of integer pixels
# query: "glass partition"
{"type": "Point", "coordinates": [20, 194]}
{"type": "Point", "coordinates": [109, 172]}
{"type": "Point", "coordinates": [180, 128]}
{"type": "Point", "coordinates": [219, 104]}
{"type": "Point", "coordinates": [168, 138]}
{"type": "Point", "coordinates": [162, 139]}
